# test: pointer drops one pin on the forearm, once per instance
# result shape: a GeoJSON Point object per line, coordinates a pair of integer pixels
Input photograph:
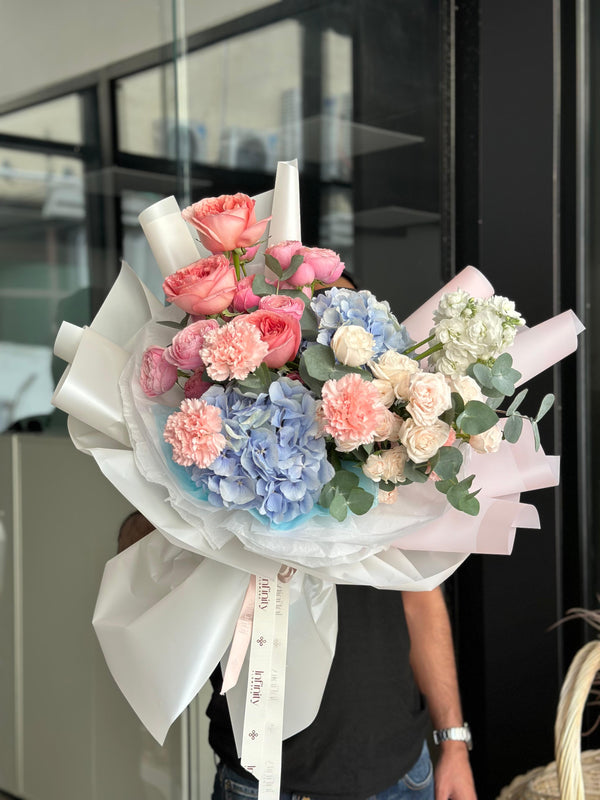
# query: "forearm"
{"type": "Point", "coordinates": [432, 656]}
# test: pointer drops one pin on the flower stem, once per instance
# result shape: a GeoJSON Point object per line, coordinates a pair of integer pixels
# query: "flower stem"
{"type": "Point", "coordinates": [417, 345]}
{"type": "Point", "coordinates": [434, 349]}
{"type": "Point", "coordinates": [236, 264]}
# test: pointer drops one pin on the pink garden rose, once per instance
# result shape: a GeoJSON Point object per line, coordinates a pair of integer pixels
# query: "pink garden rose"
{"type": "Point", "coordinates": [225, 223]}
{"type": "Point", "coordinates": [244, 298]}
{"type": "Point", "coordinates": [280, 332]}
{"type": "Point", "coordinates": [205, 287]}
{"type": "Point", "coordinates": [283, 305]}
{"type": "Point", "coordinates": [195, 386]}
{"type": "Point", "coordinates": [324, 264]}
{"type": "Point", "coordinates": [284, 252]}
{"type": "Point", "coordinates": [194, 433]}
{"type": "Point", "coordinates": [157, 376]}
{"type": "Point", "coordinates": [351, 411]}
{"type": "Point", "coordinates": [184, 350]}
{"type": "Point", "coordinates": [234, 350]}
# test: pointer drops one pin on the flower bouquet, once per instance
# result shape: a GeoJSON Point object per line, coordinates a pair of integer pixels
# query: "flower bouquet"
{"type": "Point", "coordinates": [284, 437]}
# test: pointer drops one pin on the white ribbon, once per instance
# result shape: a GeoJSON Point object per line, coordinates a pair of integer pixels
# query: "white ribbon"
{"type": "Point", "coordinates": [263, 718]}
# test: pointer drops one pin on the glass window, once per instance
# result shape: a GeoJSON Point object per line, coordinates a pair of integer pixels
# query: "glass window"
{"type": "Point", "coordinates": [43, 274]}
{"type": "Point", "coordinates": [56, 121]}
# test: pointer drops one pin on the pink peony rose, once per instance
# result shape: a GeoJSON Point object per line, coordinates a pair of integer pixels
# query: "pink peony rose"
{"type": "Point", "coordinates": [184, 350]}
{"type": "Point", "coordinates": [351, 411]}
{"type": "Point", "coordinates": [195, 386]}
{"type": "Point", "coordinates": [194, 433]}
{"type": "Point", "coordinates": [205, 287]}
{"type": "Point", "coordinates": [244, 298]}
{"type": "Point", "coordinates": [157, 376]}
{"type": "Point", "coordinates": [324, 264]}
{"type": "Point", "coordinates": [283, 305]}
{"type": "Point", "coordinates": [233, 351]}
{"type": "Point", "coordinates": [280, 332]}
{"type": "Point", "coordinates": [226, 222]}
{"type": "Point", "coordinates": [284, 253]}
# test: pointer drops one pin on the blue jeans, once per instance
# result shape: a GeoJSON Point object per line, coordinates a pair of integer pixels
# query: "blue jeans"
{"type": "Point", "coordinates": [417, 784]}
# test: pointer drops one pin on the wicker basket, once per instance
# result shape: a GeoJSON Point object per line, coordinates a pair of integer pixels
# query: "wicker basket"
{"type": "Point", "coordinates": [572, 776]}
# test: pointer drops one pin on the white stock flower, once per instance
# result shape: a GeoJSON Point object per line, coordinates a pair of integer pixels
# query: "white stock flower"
{"type": "Point", "coordinates": [449, 330]}
{"type": "Point", "coordinates": [428, 397]}
{"type": "Point", "coordinates": [483, 334]}
{"type": "Point", "coordinates": [423, 441]}
{"type": "Point", "coordinates": [353, 345]}
{"type": "Point", "coordinates": [452, 304]}
{"type": "Point", "coordinates": [467, 388]}
{"type": "Point", "coordinates": [486, 442]}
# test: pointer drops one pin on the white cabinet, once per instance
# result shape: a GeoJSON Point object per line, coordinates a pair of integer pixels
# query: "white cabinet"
{"type": "Point", "coordinates": [66, 733]}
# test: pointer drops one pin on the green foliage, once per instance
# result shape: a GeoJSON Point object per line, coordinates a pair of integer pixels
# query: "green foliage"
{"type": "Point", "coordinates": [459, 496]}
{"type": "Point", "coordinates": [415, 472]}
{"type": "Point", "coordinates": [343, 493]}
{"type": "Point", "coordinates": [476, 418]}
{"type": "Point", "coordinates": [447, 462]}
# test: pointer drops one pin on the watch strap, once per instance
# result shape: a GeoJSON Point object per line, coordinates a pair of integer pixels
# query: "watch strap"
{"type": "Point", "coordinates": [458, 734]}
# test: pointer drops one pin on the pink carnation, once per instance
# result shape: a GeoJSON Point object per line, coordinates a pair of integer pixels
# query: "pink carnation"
{"type": "Point", "coordinates": [351, 411]}
{"type": "Point", "coordinates": [194, 433]}
{"type": "Point", "coordinates": [233, 351]}
{"type": "Point", "coordinates": [157, 376]}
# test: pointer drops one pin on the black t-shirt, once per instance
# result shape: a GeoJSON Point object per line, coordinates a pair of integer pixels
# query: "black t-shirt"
{"type": "Point", "coordinates": [370, 727]}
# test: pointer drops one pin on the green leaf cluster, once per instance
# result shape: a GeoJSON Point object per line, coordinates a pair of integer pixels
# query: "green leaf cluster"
{"type": "Point", "coordinates": [497, 380]}
{"type": "Point", "coordinates": [343, 494]}
{"type": "Point", "coordinates": [283, 274]}
{"type": "Point", "coordinates": [318, 364]}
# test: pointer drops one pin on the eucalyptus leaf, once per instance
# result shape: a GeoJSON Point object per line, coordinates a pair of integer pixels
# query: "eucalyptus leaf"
{"type": "Point", "coordinates": [169, 323]}
{"type": "Point", "coordinates": [503, 385]}
{"type": "Point", "coordinates": [387, 486]}
{"type": "Point", "coordinates": [516, 402]}
{"type": "Point", "coordinates": [513, 428]}
{"type": "Point", "coordinates": [327, 494]}
{"type": "Point", "coordinates": [293, 267]}
{"type": "Point", "coordinates": [483, 375]}
{"type": "Point", "coordinates": [338, 508]}
{"type": "Point", "coordinates": [449, 462]}
{"type": "Point", "coordinates": [494, 402]}
{"type": "Point", "coordinates": [497, 394]}
{"type": "Point", "coordinates": [260, 287]}
{"type": "Point", "coordinates": [345, 481]}
{"type": "Point", "coordinates": [536, 435]}
{"type": "Point", "coordinates": [313, 383]}
{"type": "Point", "coordinates": [360, 501]}
{"type": "Point", "coordinates": [476, 418]}
{"type": "Point", "coordinates": [545, 406]}
{"type": "Point", "coordinates": [309, 325]}
{"type": "Point", "coordinates": [413, 473]}
{"type": "Point", "coordinates": [458, 407]}
{"type": "Point", "coordinates": [319, 361]}
{"type": "Point", "coordinates": [443, 486]}
{"type": "Point", "coordinates": [502, 364]}
{"type": "Point", "coordinates": [273, 264]}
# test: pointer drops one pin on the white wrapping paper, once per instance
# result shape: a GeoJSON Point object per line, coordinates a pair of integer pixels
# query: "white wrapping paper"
{"type": "Point", "coordinates": [168, 606]}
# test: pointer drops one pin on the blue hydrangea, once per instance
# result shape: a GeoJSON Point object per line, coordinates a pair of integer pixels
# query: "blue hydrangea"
{"type": "Point", "coordinates": [273, 461]}
{"type": "Point", "coordinates": [346, 307]}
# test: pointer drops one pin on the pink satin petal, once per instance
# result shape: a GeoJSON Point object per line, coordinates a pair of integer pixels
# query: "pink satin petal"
{"type": "Point", "coordinates": [223, 229]}
{"type": "Point", "coordinates": [252, 234]}
{"type": "Point", "coordinates": [470, 279]}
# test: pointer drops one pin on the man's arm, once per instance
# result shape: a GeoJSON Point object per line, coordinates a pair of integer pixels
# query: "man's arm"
{"type": "Point", "coordinates": [434, 667]}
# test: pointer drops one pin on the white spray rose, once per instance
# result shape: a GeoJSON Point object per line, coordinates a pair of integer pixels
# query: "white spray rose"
{"type": "Point", "coordinates": [423, 441]}
{"type": "Point", "coordinates": [486, 442]}
{"type": "Point", "coordinates": [386, 465]}
{"type": "Point", "coordinates": [467, 388]}
{"type": "Point", "coordinates": [386, 390]}
{"type": "Point", "coordinates": [395, 368]}
{"type": "Point", "coordinates": [428, 397]}
{"type": "Point", "coordinates": [353, 345]}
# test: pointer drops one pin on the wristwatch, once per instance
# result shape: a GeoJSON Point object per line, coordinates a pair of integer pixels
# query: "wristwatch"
{"type": "Point", "coordinates": [459, 734]}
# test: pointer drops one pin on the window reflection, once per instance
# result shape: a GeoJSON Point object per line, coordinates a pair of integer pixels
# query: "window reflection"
{"type": "Point", "coordinates": [57, 121]}
{"type": "Point", "coordinates": [43, 274]}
